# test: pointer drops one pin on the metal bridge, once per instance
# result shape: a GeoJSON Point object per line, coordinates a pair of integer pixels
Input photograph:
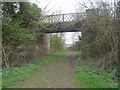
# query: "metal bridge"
{"type": "Point", "coordinates": [64, 17]}
{"type": "Point", "coordinates": [70, 22]}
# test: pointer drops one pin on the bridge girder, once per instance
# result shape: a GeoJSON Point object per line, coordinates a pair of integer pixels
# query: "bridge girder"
{"type": "Point", "coordinates": [70, 22]}
{"type": "Point", "coordinates": [73, 26]}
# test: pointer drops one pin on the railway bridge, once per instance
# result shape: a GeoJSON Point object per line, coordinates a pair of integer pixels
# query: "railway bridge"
{"type": "Point", "coordinates": [70, 22]}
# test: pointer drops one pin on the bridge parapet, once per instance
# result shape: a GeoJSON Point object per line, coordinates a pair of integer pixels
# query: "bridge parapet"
{"type": "Point", "coordinates": [64, 17]}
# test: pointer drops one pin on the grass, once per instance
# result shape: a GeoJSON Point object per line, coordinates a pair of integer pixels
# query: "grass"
{"type": "Point", "coordinates": [79, 53]}
{"type": "Point", "coordinates": [60, 54]}
{"type": "Point", "coordinates": [19, 74]}
{"type": "Point", "coordinates": [0, 79]}
{"type": "Point", "coordinates": [86, 76]}
{"type": "Point", "coordinates": [89, 77]}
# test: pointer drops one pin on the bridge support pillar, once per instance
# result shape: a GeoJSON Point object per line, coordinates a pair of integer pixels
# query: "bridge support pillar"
{"type": "Point", "coordinates": [42, 45]}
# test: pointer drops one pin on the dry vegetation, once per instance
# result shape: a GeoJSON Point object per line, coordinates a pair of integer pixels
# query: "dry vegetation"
{"type": "Point", "coordinates": [99, 35]}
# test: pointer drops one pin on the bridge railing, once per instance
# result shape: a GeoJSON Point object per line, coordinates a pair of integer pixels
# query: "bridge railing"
{"type": "Point", "coordinates": [64, 17]}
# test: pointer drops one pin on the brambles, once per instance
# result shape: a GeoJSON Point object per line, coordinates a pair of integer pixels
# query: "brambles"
{"type": "Point", "coordinates": [99, 35]}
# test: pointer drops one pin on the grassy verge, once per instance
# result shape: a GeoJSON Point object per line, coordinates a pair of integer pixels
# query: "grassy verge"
{"type": "Point", "coordinates": [60, 54]}
{"type": "Point", "coordinates": [89, 77]}
{"type": "Point", "coordinates": [78, 54]}
{"type": "Point", "coordinates": [0, 79]}
{"type": "Point", "coordinates": [19, 74]}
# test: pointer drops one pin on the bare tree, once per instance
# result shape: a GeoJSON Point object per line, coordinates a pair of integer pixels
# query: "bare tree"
{"type": "Point", "coordinates": [99, 33]}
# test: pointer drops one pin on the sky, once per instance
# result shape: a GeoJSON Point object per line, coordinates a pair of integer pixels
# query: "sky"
{"type": "Point", "coordinates": [63, 6]}
{"type": "Point", "coordinates": [71, 37]}
{"type": "Point", "coordinates": [57, 6]}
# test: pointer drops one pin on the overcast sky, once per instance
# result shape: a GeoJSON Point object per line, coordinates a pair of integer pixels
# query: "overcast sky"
{"type": "Point", "coordinates": [71, 37]}
{"type": "Point", "coordinates": [56, 6]}
{"type": "Point", "coordinates": [63, 6]}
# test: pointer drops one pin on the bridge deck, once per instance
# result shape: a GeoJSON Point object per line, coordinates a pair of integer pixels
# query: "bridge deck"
{"type": "Point", "coordinates": [62, 23]}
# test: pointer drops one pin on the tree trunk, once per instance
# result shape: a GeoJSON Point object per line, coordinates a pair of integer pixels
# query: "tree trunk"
{"type": "Point", "coordinates": [5, 58]}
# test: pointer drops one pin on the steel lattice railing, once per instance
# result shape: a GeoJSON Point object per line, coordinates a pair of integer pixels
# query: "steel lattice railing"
{"type": "Point", "coordinates": [63, 17]}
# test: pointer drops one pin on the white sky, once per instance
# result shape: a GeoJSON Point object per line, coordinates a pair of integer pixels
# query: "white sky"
{"type": "Point", "coordinates": [71, 37]}
{"type": "Point", "coordinates": [56, 6]}
{"type": "Point", "coordinates": [63, 6]}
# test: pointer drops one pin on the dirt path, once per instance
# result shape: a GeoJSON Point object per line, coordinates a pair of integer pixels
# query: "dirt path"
{"type": "Point", "coordinates": [59, 74]}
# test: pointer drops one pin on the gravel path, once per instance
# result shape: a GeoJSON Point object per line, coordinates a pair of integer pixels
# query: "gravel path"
{"type": "Point", "coordinates": [59, 74]}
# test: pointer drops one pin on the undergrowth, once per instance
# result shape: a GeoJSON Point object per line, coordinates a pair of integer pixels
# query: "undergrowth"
{"type": "Point", "coordinates": [60, 54]}
{"type": "Point", "coordinates": [18, 74]}
{"type": "Point", "coordinates": [90, 77]}
{"type": "Point", "coordinates": [78, 54]}
{"type": "Point", "coordinates": [0, 79]}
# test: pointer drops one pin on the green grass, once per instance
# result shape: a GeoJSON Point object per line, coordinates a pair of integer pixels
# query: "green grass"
{"type": "Point", "coordinates": [90, 77]}
{"type": "Point", "coordinates": [19, 74]}
{"type": "Point", "coordinates": [60, 54]}
{"type": "Point", "coordinates": [79, 53]}
{"type": "Point", "coordinates": [0, 79]}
